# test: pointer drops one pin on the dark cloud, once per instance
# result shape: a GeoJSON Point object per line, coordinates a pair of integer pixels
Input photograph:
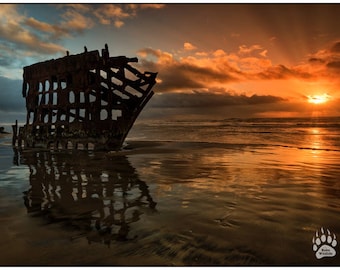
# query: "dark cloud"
{"type": "Point", "coordinates": [276, 73]}
{"type": "Point", "coordinates": [177, 76]}
{"type": "Point", "coordinates": [209, 100]}
{"type": "Point", "coordinates": [256, 99]}
{"type": "Point", "coordinates": [316, 60]}
{"type": "Point", "coordinates": [190, 73]}
{"type": "Point", "coordinates": [334, 64]}
{"type": "Point", "coordinates": [281, 72]}
{"type": "Point", "coordinates": [328, 59]}
{"type": "Point", "coordinates": [335, 47]}
{"type": "Point", "coordinates": [215, 69]}
{"type": "Point", "coordinates": [213, 106]}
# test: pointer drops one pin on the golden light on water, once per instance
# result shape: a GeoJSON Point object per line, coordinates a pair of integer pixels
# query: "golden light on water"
{"type": "Point", "coordinates": [318, 99]}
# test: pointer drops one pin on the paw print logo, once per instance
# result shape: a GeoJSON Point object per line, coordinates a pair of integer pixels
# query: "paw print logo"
{"type": "Point", "coordinates": [324, 244]}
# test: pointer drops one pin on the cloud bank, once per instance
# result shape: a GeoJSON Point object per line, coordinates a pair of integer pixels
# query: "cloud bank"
{"type": "Point", "coordinates": [24, 37]}
{"type": "Point", "coordinates": [211, 99]}
{"type": "Point", "coordinates": [216, 69]}
{"type": "Point", "coordinates": [326, 62]}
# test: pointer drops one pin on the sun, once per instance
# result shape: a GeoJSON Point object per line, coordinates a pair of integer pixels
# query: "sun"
{"type": "Point", "coordinates": [318, 99]}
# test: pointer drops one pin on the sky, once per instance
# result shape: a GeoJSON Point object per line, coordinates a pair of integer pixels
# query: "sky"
{"type": "Point", "coordinates": [214, 61]}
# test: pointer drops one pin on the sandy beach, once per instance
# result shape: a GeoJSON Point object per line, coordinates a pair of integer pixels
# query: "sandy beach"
{"type": "Point", "coordinates": [167, 203]}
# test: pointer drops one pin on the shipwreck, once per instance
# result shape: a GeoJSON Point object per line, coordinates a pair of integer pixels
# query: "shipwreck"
{"type": "Point", "coordinates": [82, 100]}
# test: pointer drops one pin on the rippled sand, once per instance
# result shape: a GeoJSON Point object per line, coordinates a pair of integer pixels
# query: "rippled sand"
{"type": "Point", "coordinates": [167, 203]}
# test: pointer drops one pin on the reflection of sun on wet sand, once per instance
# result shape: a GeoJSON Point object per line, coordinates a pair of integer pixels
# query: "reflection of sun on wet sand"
{"type": "Point", "coordinates": [101, 198]}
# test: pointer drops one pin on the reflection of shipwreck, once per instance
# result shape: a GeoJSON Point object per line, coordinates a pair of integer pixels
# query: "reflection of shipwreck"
{"type": "Point", "coordinates": [82, 99]}
{"type": "Point", "coordinates": [101, 202]}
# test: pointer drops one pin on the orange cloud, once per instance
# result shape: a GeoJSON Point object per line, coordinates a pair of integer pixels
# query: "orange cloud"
{"type": "Point", "coordinates": [324, 64]}
{"type": "Point", "coordinates": [53, 30]}
{"type": "Point", "coordinates": [189, 47]}
{"type": "Point", "coordinates": [155, 6]}
{"type": "Point", "coordinates": [281, 72]}
{"type": "Point", "coordinates": [116, 14]}
{"type": "Point", "coordinates": [76, 21]}
{"type": "Point", "coordinates": [243, 49]}
{"type": "Point", "coordinates": [206, 70]}
{"type": "Point", "coordinates": [84, 8]}
{"type": "Point", "coordinates": [254, 65]}
{"type": "Point", "coordinates": [186, 73]}
{"type": "Point", "coordinates": [264, 53]}
{"type": "Point", "coordinates": [112, 13]}
{"type": "Point", "coordinates": [13, 30]}
{"type": "Point", "coordinates": [201, 83]}
{"type": "Point", "coordinates": [211, 69]}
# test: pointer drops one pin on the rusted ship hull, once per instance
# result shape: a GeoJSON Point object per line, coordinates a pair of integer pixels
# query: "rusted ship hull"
{"type": "Point", "coordinates": [82, 100]}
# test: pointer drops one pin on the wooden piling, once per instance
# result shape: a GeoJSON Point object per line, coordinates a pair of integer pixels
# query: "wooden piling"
{"type": "Point", "coordinates": [15, 133]}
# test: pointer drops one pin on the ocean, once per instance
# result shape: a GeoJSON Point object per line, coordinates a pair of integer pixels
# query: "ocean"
{"type": "Point", "coordinates": [180, 193]}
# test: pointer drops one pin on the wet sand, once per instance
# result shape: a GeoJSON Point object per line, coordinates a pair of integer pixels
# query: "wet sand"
{"type": "Point", "coordinates": [167, 203]}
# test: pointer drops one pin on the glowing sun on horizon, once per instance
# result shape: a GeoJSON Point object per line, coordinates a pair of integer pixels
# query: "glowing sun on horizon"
{"type": "Point", "coordinates": [318, 99]}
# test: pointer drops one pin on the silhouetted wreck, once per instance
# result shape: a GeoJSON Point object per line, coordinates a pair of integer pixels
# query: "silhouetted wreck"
{"type": "Point", "coordinates": [82, 99]}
